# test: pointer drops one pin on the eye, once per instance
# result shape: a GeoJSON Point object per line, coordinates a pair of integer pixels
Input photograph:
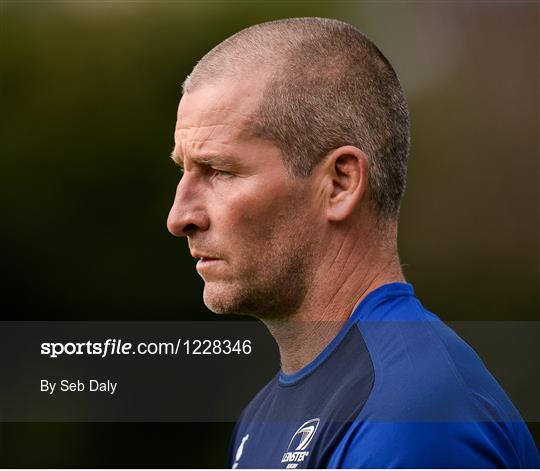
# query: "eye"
{"type": "Point", "coordinates": [219, 173]}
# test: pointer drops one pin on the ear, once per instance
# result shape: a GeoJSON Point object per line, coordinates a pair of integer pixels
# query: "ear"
{"type": "Point", "coordinates": [347, 172]}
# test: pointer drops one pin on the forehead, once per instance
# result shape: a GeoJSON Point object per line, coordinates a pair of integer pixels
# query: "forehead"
{"type": "Point", "coordinates": [215, 115]}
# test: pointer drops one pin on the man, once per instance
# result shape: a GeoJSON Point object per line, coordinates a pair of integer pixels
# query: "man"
{"type": "Point", "coordinates": [293, 138]}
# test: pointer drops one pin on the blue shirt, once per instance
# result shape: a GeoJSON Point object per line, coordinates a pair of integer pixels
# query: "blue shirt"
{"type": "Point", "coordinates": [396, 388]}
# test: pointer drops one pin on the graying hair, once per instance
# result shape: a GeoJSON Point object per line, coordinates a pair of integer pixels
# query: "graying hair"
{"type": "Point", "coordinates": [328, 86]}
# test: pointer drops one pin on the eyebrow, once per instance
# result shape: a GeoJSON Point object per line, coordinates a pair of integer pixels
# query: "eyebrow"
{"type": "Point", "coordinates": [207, 159]}
{"type": "Point", "coordinates": [175, 159]}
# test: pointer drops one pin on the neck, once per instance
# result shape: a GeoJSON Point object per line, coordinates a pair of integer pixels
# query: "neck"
{"type": "Point", "coordinates": [342, 280]}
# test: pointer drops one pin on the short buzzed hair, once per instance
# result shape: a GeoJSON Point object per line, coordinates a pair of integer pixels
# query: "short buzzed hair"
{"type": "Point", "coordinates": [328, 86]}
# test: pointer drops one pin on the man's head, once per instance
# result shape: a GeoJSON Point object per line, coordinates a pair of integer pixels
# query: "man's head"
{"type": "Point", "coordinates": [288, 133]}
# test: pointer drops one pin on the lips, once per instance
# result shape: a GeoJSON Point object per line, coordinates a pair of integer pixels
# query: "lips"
{"type": "Point", "coordinates": [206, 266]}
{"type": "Point", "coordinates": [207, 259]}
{"type": "Point", "coordinates": [203, 256]}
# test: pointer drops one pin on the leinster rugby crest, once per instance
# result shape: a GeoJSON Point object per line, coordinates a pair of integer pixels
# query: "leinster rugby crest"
{"type": "Point", "coordinates": [298, 449]}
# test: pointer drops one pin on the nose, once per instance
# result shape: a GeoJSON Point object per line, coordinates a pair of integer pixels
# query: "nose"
{"type": "Point", "coordinates": [187, 214]}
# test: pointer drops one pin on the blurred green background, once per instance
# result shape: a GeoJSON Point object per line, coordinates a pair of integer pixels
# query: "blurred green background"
{"type": "Point", "coordinates": [89, 92]}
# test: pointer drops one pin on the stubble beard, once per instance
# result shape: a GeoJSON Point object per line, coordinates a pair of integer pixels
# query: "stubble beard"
{"type": "Point", "coordinates": [272, 288]}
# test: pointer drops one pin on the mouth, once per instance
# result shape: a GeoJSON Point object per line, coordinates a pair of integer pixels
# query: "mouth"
{"type": "Point", "coordinates": [205, 265]}
{"type": "Point", "coordinates": [204, 261]}
{"type": "Point", "coordinates": [202, 256]}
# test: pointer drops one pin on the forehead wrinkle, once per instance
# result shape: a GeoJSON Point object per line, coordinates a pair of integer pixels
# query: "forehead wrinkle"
{"type": "Point", "coordinates": [227, 132]}
{"type": "Point", "coordinates": [195, 148]}
{"type": "Point", "coordinates": [247, 116]}
{"type": "Point", "coordinates": [201, 126]}
{"type": "Point", "coordinates": [194, 138]}
{"type": "Point", "coordinates": [241, 125]}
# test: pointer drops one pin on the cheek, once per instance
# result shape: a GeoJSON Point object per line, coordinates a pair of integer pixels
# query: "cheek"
{"type": "Point", "coordinates": [249, 211]}
{"type": "Point", "coordinates": [251, 222]}
{"type": "Point", "coordinates": [250, 225]}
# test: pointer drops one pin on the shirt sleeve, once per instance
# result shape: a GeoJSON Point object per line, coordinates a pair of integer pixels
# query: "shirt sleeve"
{"type": "Point", "coordinates": [433, 445]}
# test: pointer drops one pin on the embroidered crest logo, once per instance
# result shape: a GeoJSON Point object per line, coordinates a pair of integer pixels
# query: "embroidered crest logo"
{"type": "Point", "coordinates": [297, 449]}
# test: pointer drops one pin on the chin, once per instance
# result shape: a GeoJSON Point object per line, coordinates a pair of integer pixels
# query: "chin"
{"type": "Point", "coordinates": [220, 298]}
{"type": "Point", "coordinates": [226, 298]}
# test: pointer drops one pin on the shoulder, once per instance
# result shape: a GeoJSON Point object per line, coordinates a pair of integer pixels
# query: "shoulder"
{"type": "Point", "coordinates": [429, 445]}
{"type": "Point", "coordinates": [424, 371]}
{"type": "Point", "coordinates": [433, 404]}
